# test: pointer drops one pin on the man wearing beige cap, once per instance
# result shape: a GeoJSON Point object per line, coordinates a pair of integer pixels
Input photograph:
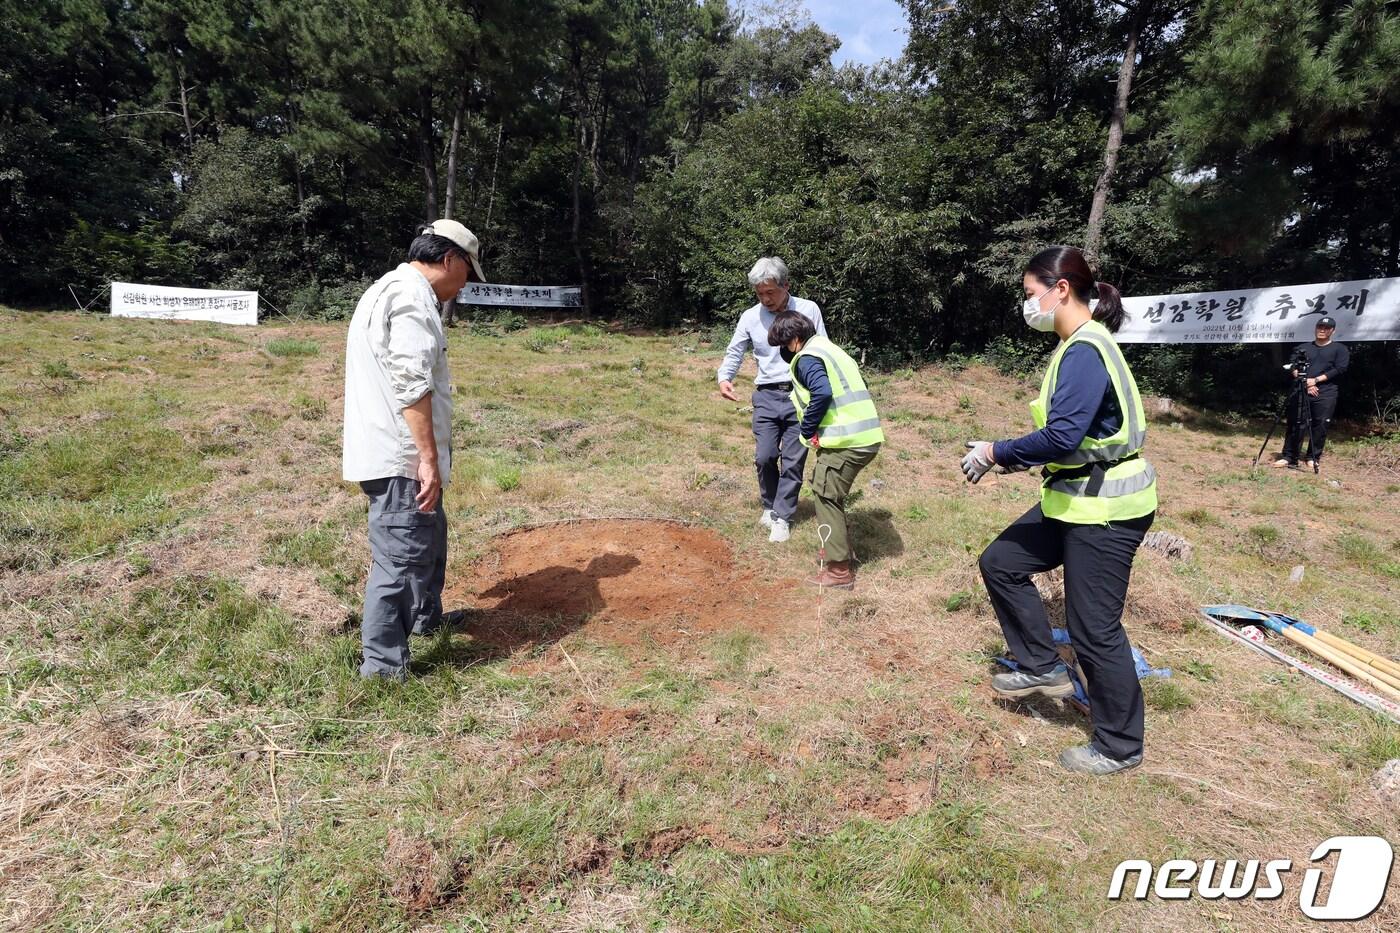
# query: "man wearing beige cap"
{"type": "Point", "coordinates": [398, 438]}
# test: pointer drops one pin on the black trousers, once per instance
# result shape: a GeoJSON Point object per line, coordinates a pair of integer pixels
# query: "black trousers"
{"type": "Point", "coordinates": [1097, 560]}
{"type": "Point", "coordinates": [1322, 408]}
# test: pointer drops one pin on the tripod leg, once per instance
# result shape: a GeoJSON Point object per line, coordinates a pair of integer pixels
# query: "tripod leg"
{"type": "Point", "coordinates": [1282, 409]}
{"type": "Point", "coordinates": [1277, 418]}
{"type": "Point", "coordinates": [1312, 438]}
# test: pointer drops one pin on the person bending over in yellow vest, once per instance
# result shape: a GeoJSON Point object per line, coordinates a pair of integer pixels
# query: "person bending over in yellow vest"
{"type": "Point", "coordinates": [1098, 497]}
{"type": "Point", "coordinates": [837, 419]}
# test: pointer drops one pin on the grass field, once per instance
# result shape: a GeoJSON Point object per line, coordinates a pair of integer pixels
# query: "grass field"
{"type": "Point", "coordinates": [184, 743]}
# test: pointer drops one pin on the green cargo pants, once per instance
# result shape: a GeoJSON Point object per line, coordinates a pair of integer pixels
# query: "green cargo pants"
{"type": "Point", "coordinates": [832, 477]}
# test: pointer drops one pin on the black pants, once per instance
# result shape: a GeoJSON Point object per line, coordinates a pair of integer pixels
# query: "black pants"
{"type": "Point", "coordinates": [1322, 408]}
{"type": "Point", "coordinates": [1097, 560]}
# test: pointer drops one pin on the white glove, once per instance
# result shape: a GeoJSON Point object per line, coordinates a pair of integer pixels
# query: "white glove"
{"type": "Point", "coordinates": [977, 461]}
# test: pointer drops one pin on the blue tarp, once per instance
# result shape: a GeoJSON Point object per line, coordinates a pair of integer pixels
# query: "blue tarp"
{"type": "Point", "coordinates": [1061, 637]}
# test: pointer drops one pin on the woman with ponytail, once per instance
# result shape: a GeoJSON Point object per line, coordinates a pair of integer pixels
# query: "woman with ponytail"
{"type": "Point", "coordinates": [1098, 497]}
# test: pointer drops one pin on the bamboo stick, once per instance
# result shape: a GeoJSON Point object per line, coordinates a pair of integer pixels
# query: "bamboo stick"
{"type": "Point", "coordinates": [1338, 659]}
{"type": "Point", "coordinates": [1377, 661]}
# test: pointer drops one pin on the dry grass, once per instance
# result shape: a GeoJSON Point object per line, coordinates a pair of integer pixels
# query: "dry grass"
{"type": "Point", "coordinates": [185, 742]}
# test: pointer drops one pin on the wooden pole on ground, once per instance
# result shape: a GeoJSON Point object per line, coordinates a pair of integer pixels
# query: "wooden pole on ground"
{"type": "Point", "coordinates": [1336, 658]}
{"type": "Point", "coordinates": [1376, 661]}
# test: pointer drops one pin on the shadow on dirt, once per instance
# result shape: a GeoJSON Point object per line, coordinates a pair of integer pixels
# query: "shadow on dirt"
{"type": "Point", "coordinates": [540, 607]}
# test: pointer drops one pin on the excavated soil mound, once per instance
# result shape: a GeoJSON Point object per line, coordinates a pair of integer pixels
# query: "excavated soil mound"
{"type": "Point", "coordinates": [623, 580]}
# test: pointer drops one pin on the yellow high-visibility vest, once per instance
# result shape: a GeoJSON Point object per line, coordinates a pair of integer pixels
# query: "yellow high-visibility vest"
{"type": "Point", "coordinates": [851, 419]}
{"type": "Point", "coordinates": [1106, 479]}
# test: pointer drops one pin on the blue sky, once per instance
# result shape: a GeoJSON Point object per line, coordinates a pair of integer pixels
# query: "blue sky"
{"type": "Point", "coordinates": [869, 29]}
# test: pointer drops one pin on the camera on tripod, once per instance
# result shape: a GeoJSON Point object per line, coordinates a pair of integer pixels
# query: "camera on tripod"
{"type": "Point", "coordinates": [1298, 365]}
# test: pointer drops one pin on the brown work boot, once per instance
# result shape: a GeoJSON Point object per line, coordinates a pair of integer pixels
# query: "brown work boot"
{"type": "Point", "coordinates": [836, 575]}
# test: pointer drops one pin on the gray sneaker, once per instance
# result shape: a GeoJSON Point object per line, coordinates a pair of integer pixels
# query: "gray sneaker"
{"type": "Point", "coordinates": [1021, 684]}
{"type": "Point", "coordinates": [1086, 759]}
{"type": "Point", "coordinates": [448, 620]}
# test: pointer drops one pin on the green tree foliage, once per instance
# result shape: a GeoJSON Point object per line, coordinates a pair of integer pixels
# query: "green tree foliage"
{"type": "Point", "coordinates": [69, 166]}
{"type": "Point", "coordinates": [240, 210]}
{"type": "Point", "coordinates": [1290, 116]}
{"type": "Point", "coordinates": [650, 150]}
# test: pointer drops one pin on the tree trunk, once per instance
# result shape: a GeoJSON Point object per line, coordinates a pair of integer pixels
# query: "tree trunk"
{"type": "Point", "coordinates": [185, 108]}
{"type": "Point", "coordinates": [1093, 237]}
{"type": "Point", "coordinates": [450, 204]}
{"type": "Point", "coordinates": [576, 232]}
{"type": "Point", "coordinates": [301, 215]}
{"type": "Point", "coordinates": [427, 154]}
{"type": "Point", "coordinates": [700, 104]}
{"type": "Point", "coordinates": [495, 167]}
{"type": "Point", "coordinates": [301, 195]}
{"type": "Point", "coordinates": [1392, 249]}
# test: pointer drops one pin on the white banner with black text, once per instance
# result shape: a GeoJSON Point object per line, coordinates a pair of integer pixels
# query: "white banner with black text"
{"type": "Point", "coordinates": [521, 296]}
{"type": "Point", "coordinates": [184, 304]}
{"type": "Point", "coordinates": [1367, 309]}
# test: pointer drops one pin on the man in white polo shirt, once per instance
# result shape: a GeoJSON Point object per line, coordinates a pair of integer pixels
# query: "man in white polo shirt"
{"type": "Point", "coordinates": [778, 451]}
{"type": "Point", "coordinates": [398, 438]}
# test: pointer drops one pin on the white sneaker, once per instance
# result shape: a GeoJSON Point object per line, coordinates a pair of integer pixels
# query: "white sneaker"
{"type": "Point", "coordinates": [766, 519]}
{"type": "Point", "coordinates": [780, 532]}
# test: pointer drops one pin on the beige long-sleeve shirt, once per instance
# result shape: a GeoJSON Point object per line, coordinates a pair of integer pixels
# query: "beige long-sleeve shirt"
{"type": "Point", "coordinates": [395, 353]}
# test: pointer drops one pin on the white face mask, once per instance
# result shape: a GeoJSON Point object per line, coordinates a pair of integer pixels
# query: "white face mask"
{"type": "Point", "coordinates": [1037, 318]}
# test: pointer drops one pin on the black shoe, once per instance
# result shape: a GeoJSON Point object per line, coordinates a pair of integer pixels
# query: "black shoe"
{"type": "Point", "coordinates": [1021, 684]}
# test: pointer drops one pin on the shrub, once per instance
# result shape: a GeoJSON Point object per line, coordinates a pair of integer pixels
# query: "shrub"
{"type": "Point", "coordinates": [1264, 535]}
{"type": "Point", "coordinates": [57, 369]}
{"type": "Point", "coordinates": [1359, 549]}
{"type": "Point", "coordinates": [958, 601]}
{"type": "Point", "coordinates": [1012, 358]}
{"type": "Point", "coordinates": [319, 302]}
{"type": "Point", "coordinates": [511, 321]}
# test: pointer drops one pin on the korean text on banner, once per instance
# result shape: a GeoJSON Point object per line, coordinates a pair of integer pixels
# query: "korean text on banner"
{"type": "Point", "coordinates": [1368, 309]}
{"type": "Point", "coordinates": [521, 296]}
{"type": "Point", "coordinates": [183, 304]}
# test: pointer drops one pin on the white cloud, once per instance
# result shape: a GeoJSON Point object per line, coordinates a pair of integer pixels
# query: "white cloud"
{"type": "Point", "coordinates": [868, 30]}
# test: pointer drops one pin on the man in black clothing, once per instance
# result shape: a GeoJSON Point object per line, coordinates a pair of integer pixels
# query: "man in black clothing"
{"type": "Point", "coordinates": [1327, 361]}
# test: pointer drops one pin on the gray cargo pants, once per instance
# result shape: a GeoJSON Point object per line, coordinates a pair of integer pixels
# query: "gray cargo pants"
{"type": "Point", "coordinates": [778, 451]}
{"type": "Point", "coordinates": [408, 554]}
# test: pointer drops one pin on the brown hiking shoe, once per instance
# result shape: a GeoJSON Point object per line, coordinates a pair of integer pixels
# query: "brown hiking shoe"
{"type": "Point", "coordinates": [836, 575]}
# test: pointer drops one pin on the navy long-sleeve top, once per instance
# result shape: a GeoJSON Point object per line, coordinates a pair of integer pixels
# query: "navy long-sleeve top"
{"type": "Point", "coordinates": [1083, 405]}
{"type": "Point", "coordinates": [1331, 360]}
{"type": "Point", "coordinates": [811, 372]}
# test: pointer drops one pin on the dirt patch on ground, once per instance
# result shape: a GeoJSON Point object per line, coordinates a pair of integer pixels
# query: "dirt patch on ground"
{"type": "Point", "coordinates": [625, 581]}
{"type": "Point", "coordinates": [665, 843]}
{"type": "Point", "coordinates": [418, 876]}
{"type": "Point", "coordinates": [911, 782]}
{"type": "Point", "coordinates": [587, 722]}
{"type": "Point", "coordinates": [767, 839]}
{"type": "Point", "coordinates": [590, 856]}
